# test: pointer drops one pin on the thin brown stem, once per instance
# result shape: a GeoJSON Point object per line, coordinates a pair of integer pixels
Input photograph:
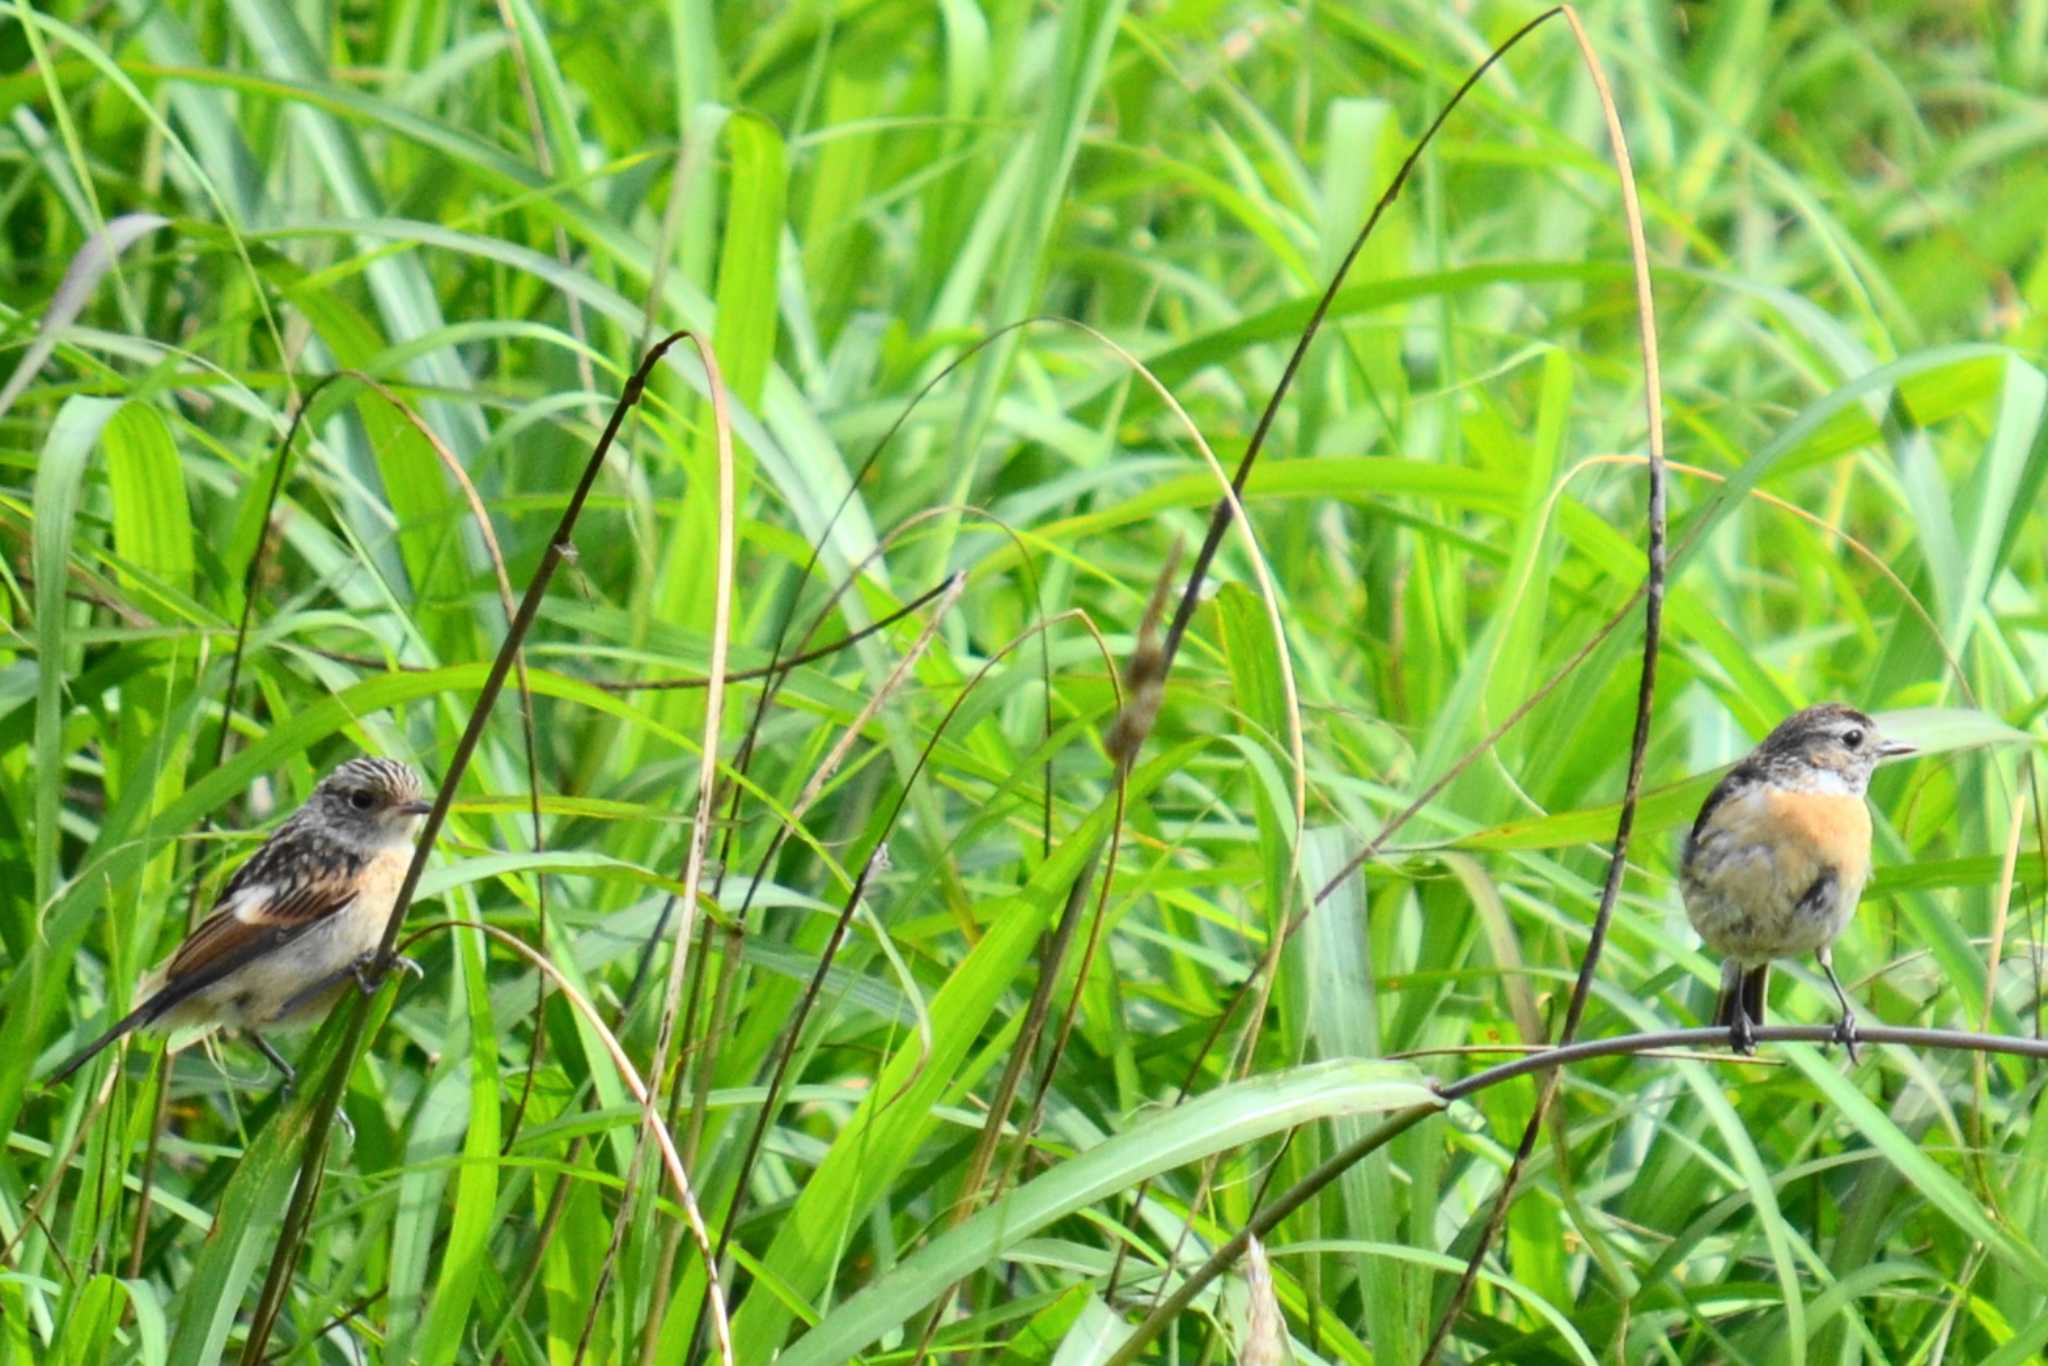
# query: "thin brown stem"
{"type": "Point", "coordinates": [299, 1212]}
{"type": "Point", "coordinates": [1548, 1061]}
{"type": "Point", "coordinates": [1646, 688]}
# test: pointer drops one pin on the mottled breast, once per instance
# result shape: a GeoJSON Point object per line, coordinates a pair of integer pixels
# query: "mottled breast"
{"type": "Point", "coordinates": [1772, 873]}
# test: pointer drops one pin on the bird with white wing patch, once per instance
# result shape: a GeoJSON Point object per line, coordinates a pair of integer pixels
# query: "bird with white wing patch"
{"type": "Point", "coordinates": [297, 924]}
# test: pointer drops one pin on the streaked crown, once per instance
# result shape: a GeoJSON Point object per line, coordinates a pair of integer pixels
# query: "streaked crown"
{"type": "Point", "coordinates": [368, 801]}
{"type": "Point", "coordinates": [1829, 744]}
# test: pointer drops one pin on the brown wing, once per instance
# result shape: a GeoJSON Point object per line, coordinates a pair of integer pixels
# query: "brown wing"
{"type": "Point", "coordinates": [267, 903]}
{"type": "Point", "coordinates": [254, 922]}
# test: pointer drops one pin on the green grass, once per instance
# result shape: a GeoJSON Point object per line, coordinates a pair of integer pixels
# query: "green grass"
{"type": "Point", "coordinates": [492, 211]}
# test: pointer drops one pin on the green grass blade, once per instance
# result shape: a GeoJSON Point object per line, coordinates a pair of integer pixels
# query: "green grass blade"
{"type": "Point", "coordinates": [1225, 1118]}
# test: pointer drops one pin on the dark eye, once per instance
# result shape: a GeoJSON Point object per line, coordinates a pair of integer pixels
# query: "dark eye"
{"type": "Point", "coordinates": [361, 799]}
{"type": "Point", "coordinates": [1853, 739]}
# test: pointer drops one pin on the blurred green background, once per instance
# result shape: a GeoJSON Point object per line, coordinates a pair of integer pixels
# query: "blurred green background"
{"type": "Point", "coordinates": [491, 210]}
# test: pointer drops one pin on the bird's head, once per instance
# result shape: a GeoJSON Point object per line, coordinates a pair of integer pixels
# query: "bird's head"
{"type": "Point", "coordinates": [1829, 745]}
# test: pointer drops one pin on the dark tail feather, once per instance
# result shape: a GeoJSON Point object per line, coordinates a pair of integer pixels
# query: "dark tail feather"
{"type": "Point", "coordinates": [141, 1015]}
{"type": "Point", "coordinates": [1741, 990]}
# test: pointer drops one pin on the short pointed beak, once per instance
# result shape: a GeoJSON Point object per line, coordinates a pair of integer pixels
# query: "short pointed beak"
{"type": "Point", "coordinates": [417, 808]}
{"type": "Point", "coordinates": [1892, 749]}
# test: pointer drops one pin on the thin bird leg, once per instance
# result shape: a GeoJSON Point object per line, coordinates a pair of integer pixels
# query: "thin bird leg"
{"type": "Point", "coordinates": [283, 1067]}
{"type": "Point", "coordinates": [1741, 1007]}
{"type": "Point", "coordinates": [370, 973]}
{"type": "Point", "coordinates": [1845, 1031]}
{"type": "Point", "coordinates": [291, 1077]}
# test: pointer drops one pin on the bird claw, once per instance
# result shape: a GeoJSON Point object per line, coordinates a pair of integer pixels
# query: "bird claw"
{"type": "Point", "coordinates": [370, 971]}
{"type": "Point", "coordinates": [1742, 1034]}
{"type": "Point", "coordinates": [1845, 1035]}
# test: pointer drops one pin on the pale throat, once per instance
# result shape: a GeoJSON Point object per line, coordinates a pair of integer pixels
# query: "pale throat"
{"type": "Point", "coordinates": [1826, 781]}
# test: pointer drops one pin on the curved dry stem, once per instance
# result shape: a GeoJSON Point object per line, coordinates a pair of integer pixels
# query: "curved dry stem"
{"type": "Point", "coordinates": [1037, 630]}
{"type": "Point", "coordinates": [1639, 740]}
{"type": "Point", "coordinates": [643, 1093]}
{"type": "Point", "coordinates": [1871, 559]}
{"type": "Point", "coordinates": [714, 704]}
{"type": "Point", "coordinates": [744, 756]}
{"type": "Point", "coordinates": [877, 699]}
{"type": "Point", "coordinates": [860, 882]}
{"type": "Point", "coordinates": [812, 989]}
{"type": "Point", "coordinates": [789, 822]}
{"type": "Point", "coordinates": [1269, 595]}
{"type": "Point", "coordinates": [688, 682]}
{"type": "Point", "coordinates": [496, 554]}
{"type": "Point", "coordinates": [693, 867]}
{"type": "Point", "coordinates": [250, 576]}
{"type": "Point", "coordinates": [1030, 567]}
{"type": "Point", "coordinates": [298, 1213]}
{"type": "Point", "coordinates": [1052, 959]}
{"type": "Point", "coordinates": [777, 671]}
{"type": "Point", "coordinates": [728, 980]}
{"type": "Point", "coordinates": [1230, 509]}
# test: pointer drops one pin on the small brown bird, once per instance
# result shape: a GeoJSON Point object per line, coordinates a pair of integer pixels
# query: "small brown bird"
{"type": "Point", "coordinates": [1778, 857]}
{"type": "Point", "coordinates": [297, 923]}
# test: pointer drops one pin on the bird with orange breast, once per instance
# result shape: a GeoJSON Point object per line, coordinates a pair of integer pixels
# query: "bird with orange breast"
{"type": "Point", "coordinates": [1778, 857]}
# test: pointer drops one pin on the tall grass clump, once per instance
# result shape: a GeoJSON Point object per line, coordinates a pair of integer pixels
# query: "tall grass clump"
{"type": "Point", "coordinates": [926, 869]}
